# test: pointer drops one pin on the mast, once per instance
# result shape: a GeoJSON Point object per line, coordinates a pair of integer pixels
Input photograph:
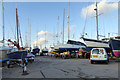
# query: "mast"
{"type": "Point", "coordinates": [97, 20]}
{"type": "Point", "coordinates": [30, 34]}
{"type": "Point", "coordinates": [3, 25]}
{"type": "Point", "coordinates": [68, 19]}
{"type": "Point", "coordinates": [17, 27]}
{"type": "Point", "coordinates": [45, 36]}
{"type": "Point", "coordinates": [57, 30]}
{"type": "Point", "coordinates": [63, 24]}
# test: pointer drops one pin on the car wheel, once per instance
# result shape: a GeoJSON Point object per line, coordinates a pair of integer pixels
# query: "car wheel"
{"type": "Point", "coordinates": [106, 62]}
{"type": "Point", "coordinates": [91, 62]}
{"type": "Point", "coordinates": [63, 56]}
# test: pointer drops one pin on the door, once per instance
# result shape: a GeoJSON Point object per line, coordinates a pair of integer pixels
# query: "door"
{"type": "Point", "coordinates": [95, 54]}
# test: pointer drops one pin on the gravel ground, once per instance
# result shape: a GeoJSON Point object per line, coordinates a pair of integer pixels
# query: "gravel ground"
{"type": "Point", "coordinates": [48, 67]}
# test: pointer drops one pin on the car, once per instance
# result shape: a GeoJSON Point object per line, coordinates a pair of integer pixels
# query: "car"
{"type": "Point", "coordinates": [99, 55]}
{"type": "Point", "coordinates": [84, 53]}
{"type": "Point", "coordinates": [65, 55]}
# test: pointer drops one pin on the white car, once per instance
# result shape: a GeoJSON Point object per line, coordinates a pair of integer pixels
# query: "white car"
{"type": "Point", "coordinates": [99, 54]}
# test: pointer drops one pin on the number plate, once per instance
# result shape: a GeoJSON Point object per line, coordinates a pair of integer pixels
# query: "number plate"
{"type": "Point", "coordinates": [95, 56]}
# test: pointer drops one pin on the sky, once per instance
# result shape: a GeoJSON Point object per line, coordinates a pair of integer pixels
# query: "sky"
{"type": "Point", "coordinates": [41, 14]}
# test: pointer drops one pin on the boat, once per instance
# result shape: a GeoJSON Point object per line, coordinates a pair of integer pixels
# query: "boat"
{"type": "Point", "coordinates": [71, 45]}
{"type": "Point", "coordinates": [3, 53]}
{"type": "Point", "coordinates": [74, 42]}
{"type": "Point", "coordinates": [17, 55]}
{"type": "Point", "coordinates": [4, 49]}
{"type": "Point", "coordinates": [36, 50]}
{"type": "Point", "coordinates": [92, 43]}
{"type": "Point", "coordinates": [115, 45]}
{"type": "Point", "coordinates": [45, 50]}
{"type": "Point", "coordinates": [96, 43]}
{"type": "Point", "coordinates": [21, 53]}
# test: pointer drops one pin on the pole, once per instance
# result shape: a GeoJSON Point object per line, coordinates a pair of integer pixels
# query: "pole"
{"type": "Point", "coordinates": [17, 27]}
{"type": "Point", "coordinates": [45, 36]}
{"type": "Point", "coordinates": [57, 29]}
{"type": "Point", "coordinates": [68, 19]}
{"type": "Point", "coordinates": [30, 34]}
{"type": "Point", "coordinates": [63, 24]}
{"type": "Point", "coordinates": [3, 25]}
{"type": "Point", "coordinates": [97, 20]}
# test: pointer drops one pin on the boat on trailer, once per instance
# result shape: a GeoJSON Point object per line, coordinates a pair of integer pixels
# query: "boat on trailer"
{"type": "Point", "coordinates": [115, 45]}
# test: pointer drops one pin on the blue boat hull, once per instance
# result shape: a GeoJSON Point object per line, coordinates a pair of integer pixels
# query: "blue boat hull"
{"type": "Point", "coordinates": [17, 55]}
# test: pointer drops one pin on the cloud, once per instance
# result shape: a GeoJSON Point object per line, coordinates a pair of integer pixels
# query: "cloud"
{"type": "Point", "coordinates": [41, 33]}
{"type": "Point", "coordinates": [41, 41]}
{"type": "Point", "coordinates": [49, 36]}
{"type": "Point", "coordinates": [103, 8]}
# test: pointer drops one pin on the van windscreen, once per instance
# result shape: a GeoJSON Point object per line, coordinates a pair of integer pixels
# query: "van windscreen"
{"type": "Point", "coordinates": [95, 51]}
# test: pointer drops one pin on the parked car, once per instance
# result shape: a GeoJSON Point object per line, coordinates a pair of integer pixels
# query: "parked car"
{"type": "Point", "coordinates": [99, 54]}
{"type": "Point", "coordinates": [65, 55]}
{"type": "Point", "coordinates": [84, 53]}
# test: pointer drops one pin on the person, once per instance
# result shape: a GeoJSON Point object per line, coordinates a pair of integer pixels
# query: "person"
{"type": "Point", "coordinates": [80, 52]}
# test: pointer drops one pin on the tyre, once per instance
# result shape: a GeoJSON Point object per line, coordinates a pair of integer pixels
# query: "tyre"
{"type": "Point", "coordinates": [77, 56]}
{"type": "Point", "coordinates": [64, 56]}
{"type": "Point", "coordinates": [107, 62]}
{"type": "Point", "coordinates": [8, 66]}
{"type": "Point", "coordinates": [69, 56]}
{"type": "Point", "coordinates": [91, 62]}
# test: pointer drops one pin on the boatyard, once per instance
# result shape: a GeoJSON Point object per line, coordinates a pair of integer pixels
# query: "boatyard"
{"type": "Point", "coordinates": [50, 67]}
{"type": "Point", "coordinates": [51, 40]}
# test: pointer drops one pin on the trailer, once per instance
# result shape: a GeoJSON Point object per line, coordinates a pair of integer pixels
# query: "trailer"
{"type": "Point", "coordinates": [13, 62]}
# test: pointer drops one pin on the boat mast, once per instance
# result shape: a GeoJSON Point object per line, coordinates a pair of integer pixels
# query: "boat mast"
{"type": "Point", "coordinates": [97, 20]}
{"type": "Point", "coordinates": [68, 19]}
{"type": "Point", "coordinates": [30, 34]}
{"type": "Point", "coordinates": [57, 30]}
{"type": "Point", "coordinates": [45, 36]}
{"type": "Point", "coordinates": [17, 27]}
{"type": "Point", "coordinates": [63, 24]}
{"type": "Point", "coordinates": [3, 25]}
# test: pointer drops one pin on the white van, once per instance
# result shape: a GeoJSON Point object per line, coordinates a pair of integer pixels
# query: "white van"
{"type": "Point", "coordinates": [99, 54]}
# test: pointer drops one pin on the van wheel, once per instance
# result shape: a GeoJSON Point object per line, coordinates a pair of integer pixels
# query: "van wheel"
{"type": "Point", "coordinates": [106, 62]}
{"type": "Point", "coordinates": [91, 62]}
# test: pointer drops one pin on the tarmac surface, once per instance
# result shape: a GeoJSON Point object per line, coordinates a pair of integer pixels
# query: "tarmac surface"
{"type": "Point", "coordinates": [50, 67]}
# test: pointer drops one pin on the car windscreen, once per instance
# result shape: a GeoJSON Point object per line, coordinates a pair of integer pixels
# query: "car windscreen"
{"type": "Point", "coordinates": [95, 51]}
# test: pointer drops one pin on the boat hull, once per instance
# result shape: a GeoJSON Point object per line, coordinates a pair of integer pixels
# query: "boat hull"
{"type": "Point", "coordinates": [116, 53]}
{"type": "Point", "coordinates": [17, 55]}
{"type": "Point", "coordinates": [96, 43]}
{"type": "Point", "coordinates": [36, 50]}
{"type": "Point", "coordinates": [44, 51]}
{"type": "Point", "coordinates": [91, 43]}
{"type": "Point", "coordinates": [115, 46]}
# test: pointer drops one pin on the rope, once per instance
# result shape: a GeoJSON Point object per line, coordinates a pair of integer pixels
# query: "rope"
{"type": "Point", "coordinates": [20, 35]}
{"type": "Point", "coordinates": [85, 23]}
{"type": "Point", "coordinates": [10, 25]}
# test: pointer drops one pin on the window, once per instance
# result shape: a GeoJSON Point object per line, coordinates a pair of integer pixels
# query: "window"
{"type": "Point", "coordinates": [101, 51]}
{"type": "Point", "coordinates": [95, 51]}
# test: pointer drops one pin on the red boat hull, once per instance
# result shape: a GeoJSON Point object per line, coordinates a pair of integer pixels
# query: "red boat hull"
{"type": "Point", "coordinates": [116, 53]}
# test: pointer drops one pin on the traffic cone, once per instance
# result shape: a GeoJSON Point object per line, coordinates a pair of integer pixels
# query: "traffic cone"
{"type": "Point", "coordinates": [25, 70]}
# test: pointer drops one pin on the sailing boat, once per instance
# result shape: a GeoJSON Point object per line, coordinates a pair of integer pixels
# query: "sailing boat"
{"type": "Point", "coordinates": [92, 43]}
{"type": "Point", "coordinates": [45, 50]}
{"type": "Point", "coordinates": [4, 49]}
{"type": "Point", "coordinates": [71, 44]}
{"type": "Point", "coordinates": [21, 53]}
